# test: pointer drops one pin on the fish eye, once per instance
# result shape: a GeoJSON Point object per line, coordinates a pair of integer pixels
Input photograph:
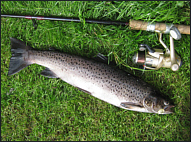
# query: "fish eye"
{"type": "Point", "coordinates": [166, 103]}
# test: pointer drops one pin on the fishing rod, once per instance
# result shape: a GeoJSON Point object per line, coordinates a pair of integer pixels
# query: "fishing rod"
{"type": "Point", "coordinates": [67, 19]}
{"type": "Point", "coordinates": [134, 24]}
{"type": "Point", "coordinates": [150, 58]}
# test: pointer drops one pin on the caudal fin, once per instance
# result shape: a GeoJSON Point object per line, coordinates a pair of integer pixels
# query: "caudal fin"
{"type": "Point", "coordinates": [19, 59]}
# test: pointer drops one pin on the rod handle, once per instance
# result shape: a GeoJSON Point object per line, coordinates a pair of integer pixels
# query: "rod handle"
{"type": "Point", "coordinates": [141, 25]}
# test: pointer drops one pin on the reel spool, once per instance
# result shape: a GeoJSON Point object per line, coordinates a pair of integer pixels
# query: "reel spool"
{"type": "Point", "coordinates": [156, 58]}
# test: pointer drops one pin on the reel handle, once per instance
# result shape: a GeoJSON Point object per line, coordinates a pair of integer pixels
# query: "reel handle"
{"type": "Point", "coordinates": [165, 28]}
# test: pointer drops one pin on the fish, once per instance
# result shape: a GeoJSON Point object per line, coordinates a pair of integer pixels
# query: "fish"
{"type": "Point", "coordinates": [99, 79]}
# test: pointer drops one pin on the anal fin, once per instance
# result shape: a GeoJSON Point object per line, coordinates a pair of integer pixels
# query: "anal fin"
{"type": "Point", "coordinates": [48, 73]}
{"type": "Point", "coordinates": [84, 90]}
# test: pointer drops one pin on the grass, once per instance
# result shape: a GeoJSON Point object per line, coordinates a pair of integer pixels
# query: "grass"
{"type": "Point", "coordinates": [37, 108]}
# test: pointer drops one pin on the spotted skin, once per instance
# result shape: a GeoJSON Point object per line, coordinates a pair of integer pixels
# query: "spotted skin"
{"type": "Point", "coordinates": [116, 81]}
{"type": "Point", "coordinates": [109, 84]}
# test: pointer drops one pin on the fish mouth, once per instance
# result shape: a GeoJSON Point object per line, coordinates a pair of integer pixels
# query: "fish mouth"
{"type": "Point", "coordinates": [168, 109]}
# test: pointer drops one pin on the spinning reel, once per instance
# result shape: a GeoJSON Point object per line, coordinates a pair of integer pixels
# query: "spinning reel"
{"type": "Point", "coordinates": [156, 58]}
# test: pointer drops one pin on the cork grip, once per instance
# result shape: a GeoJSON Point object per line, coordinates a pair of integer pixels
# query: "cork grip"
{"type": "Point", "coordinates": [141, 25]}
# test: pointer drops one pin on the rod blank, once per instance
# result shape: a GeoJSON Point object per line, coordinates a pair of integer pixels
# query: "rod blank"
{"type": "Point", "coordinates": [67, 19]}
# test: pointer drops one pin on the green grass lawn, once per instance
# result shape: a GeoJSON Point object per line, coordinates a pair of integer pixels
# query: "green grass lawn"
{"type": "Point", "coordinates": [34, 107]}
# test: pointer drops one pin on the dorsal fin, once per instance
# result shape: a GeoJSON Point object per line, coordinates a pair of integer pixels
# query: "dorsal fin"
{"type": "Point", "coordinates": [101, 58]}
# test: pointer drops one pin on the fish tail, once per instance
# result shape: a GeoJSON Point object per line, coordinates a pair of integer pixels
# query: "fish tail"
{"type": "Point", "coordinates": [19, 59]}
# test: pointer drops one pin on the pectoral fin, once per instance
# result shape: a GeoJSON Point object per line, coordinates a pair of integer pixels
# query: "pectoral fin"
{"type": "Point", "coordinates": [48, 73]}
{"type": "Point", "coordinates": [130, 105]}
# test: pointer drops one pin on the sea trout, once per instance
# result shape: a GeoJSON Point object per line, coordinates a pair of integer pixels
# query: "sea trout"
{"type": "Point", "coordinates": [102, 81]}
